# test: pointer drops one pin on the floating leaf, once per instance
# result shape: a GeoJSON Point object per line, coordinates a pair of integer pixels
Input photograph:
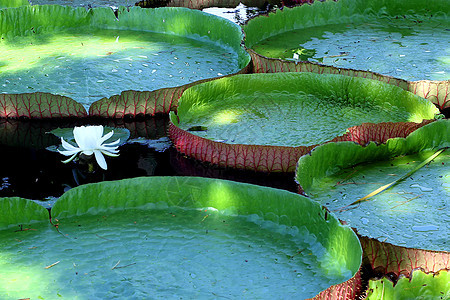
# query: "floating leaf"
{"type": "Point", "coordinates": [338, 30]}
{"type": "Point", "coordinates": [419, 286]}
{"type": "Point", "coordinates": [91, 55]}
{"type": "Point", "coordinates": [17, 213]}
{"type": "Point", "coordinates": [267, 121]}
{"type": "Point", "coordinates": [337, 174]}
{"type": "Point", "coordinates": [285, 241]}
{"type": "Point", "coordinates": [386, 258]}
{"type": "Point", "coordinates": [387, 186]}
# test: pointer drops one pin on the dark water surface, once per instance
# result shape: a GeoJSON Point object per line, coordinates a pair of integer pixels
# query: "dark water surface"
{"type": "Point", "coordinates": [29, 170]}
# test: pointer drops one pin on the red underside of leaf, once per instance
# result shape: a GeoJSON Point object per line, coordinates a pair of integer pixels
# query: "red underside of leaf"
{"type": "Point", "coordinates": [438, 92]}
{"type": "Point", "coordinates": [137, 103]}
{"type": "Point", "coordinates": [348, 290]}
{"type": "Point", "coordinates": [39, 106]}
{"type": "Point", "coordinates": [150, 103]}
{"type": "Point", "coordinates": [387, 258]}
{"type": "Point", "coordinates": [379, 132]}
{"type": "Point", "coordinates": [277, 158]}
{"type": "Point", "coordinates": [251, 157]}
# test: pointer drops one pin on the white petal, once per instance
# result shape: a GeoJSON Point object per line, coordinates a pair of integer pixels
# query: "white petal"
{"type": "Point", "coordinates": [112, 143]}
{"type": "Point", "coordinates": [70, 159]}
{"type": "Point", "coordinates": [87, 137]}
{"type": "Point", "coordinates": [109, 153]}
{"type": "Point", "coordinates": [80, 134]}
{"type": "Point", "coordinates": [88, 152]}
{"type": "Point", "coordinates": [68, 152]}
{"type": "Point", "coordinates": [100, 159]}
{"type": "Point", "coordinates": [112, 149]}
{"type": "Point", "coordinates": [68, 146]}
{"type": "Point", "coordinates": [98, 130]}
{"type": "Point", "coordinates": [107, 136]}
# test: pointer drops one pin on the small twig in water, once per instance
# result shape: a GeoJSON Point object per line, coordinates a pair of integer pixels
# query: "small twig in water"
{"type": "Point", "coordinates": [53, 264]}
{"type": "Point", "coordinates": [115, 265]}
{"type": "Point", "coordinates": [404, 202]}
{"type": "Point", "coordinates": [125, 266]}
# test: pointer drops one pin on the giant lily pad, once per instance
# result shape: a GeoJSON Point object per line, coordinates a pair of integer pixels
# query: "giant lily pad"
{"type": "Point", "coordinates": [264, 121]}
{"type": "Point", "coordinates": [419, 286]}
{"type": "Point", "coordinates": [413, 213]}
{"type": "Point", "coordinates": [13, 3]}
{"type": "Point", "coordinates": [399, 42]}
{"type": "Point", "coordinates": [161, 237]}
{"type": "Point", "coordinates": [95, 54]}
{"type": "Point", "coordinates": [86, 3]}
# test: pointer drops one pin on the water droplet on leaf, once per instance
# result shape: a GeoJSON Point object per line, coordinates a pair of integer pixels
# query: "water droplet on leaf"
{"type": "Point", "coordinates": [425, 228]}
{"type": "Point", "coordinates": [422, 188]}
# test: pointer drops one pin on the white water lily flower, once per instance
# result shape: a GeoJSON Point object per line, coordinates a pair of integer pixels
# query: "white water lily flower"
{"type": "Point", "coordinates": [90, 141]}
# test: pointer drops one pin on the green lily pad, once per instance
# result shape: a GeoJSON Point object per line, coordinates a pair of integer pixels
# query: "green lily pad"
{"type": "Point", "coordinates": [16, 212]}
{"type": "Point", "coordinates": [89, 55]}
{"type": "Point", "coordinates": [91, 3]}
{"type": "Point", "coordinates": [419, 286]}
{"type": "Point", "coordinates": [166, 237]}
{"type": "Point", "coordinates": [413, 213]}
{"type": "Point", "coordinates": [13, 3]}
{"type": "Point", "coordinates": [292, 109]}
{"type": "Point", "coordinates": [405, 39]}
{"type": "Point", "coordinates": [397, 37]}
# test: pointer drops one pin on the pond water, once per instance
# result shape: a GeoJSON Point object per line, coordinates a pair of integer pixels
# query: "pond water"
{"type": "Point", "coordinates": [30, 171]}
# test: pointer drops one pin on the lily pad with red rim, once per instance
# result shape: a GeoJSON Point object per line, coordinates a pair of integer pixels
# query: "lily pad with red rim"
{"type": "Point", "coordinates": [177, 236]}
{"type": "Point", "coordinates": [94, 54]}
{"type": "Point", "coordinates": [267, 121]}
{"type": "Point", "coordinates": [402, 42]}
{"type": "Point", "coordinates": [413, 213]}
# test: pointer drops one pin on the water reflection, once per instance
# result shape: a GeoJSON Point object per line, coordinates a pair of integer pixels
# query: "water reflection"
{"type": "Point", "coordinates": [30, 171]}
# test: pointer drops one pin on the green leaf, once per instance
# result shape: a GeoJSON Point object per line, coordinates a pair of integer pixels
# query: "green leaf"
{"type": "Point", "coordinates": [395, 42]}
{"type": "Point", "coordinates": [19, 213]}
{"type": "Point", "coordinates": [293, 109]}
{"type": "Point", "coordinates": [180, 236]}
{"type": "Point", "coordinates": [419, 286]}
{"type": "Point", "coordinates": [265, 122]}
{"type": "Point", "coordinates": [90, 54]}
{"type": "Point", "coordinates": [337, 174]}
{"type": "Point", "coordinates": [387, 186]}
{"type": "Point", "coordinates": [13, 3]}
